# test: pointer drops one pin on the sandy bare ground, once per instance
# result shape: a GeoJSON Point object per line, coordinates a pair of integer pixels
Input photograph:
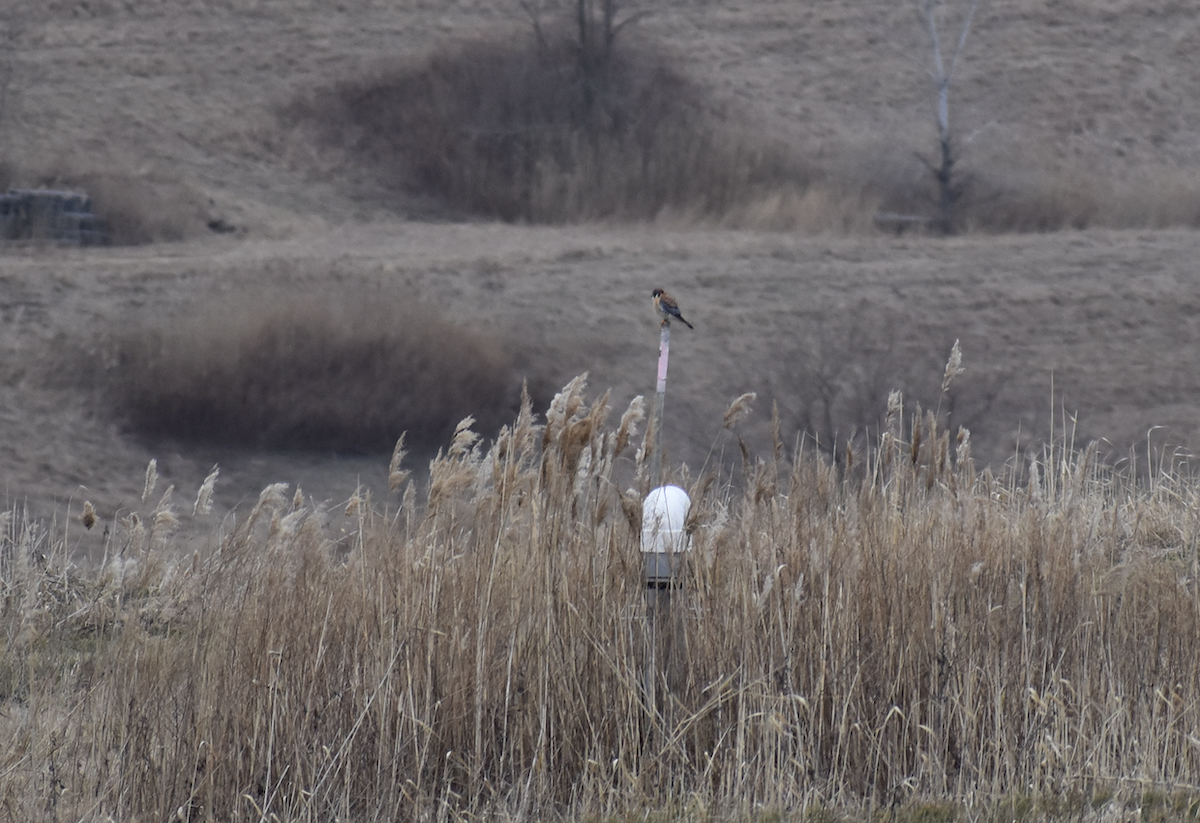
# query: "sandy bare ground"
{"type": "Point", "coordinates": [1099, 327]}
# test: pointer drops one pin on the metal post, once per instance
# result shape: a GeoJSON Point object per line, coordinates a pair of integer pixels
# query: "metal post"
{"type": "Point", "coordinates": [660, 396]}
{"type": "Point", "coordinates": [664, 544]}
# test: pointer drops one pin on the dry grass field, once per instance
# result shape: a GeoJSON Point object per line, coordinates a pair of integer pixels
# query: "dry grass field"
{"type": "Point", "coordinates": [335, 222]}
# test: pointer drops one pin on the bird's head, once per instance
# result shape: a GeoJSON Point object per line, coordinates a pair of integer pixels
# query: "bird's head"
{"type": "Point", "coordinates": [656, 293]}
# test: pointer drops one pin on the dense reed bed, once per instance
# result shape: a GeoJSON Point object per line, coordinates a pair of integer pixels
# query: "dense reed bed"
{"type": "Point", "coordinates": [894, 632]}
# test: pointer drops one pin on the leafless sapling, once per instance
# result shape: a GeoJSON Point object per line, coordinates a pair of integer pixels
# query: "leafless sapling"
{"type": "Point", "coordinates": [949, 184]}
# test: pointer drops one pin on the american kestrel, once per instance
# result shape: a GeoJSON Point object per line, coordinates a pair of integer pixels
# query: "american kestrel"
{"type": "Point", "coordinates": [667, 308]}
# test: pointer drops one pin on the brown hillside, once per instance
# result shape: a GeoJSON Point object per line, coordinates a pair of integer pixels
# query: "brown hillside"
{"type": "Point", "coordinates": [1071, 113]}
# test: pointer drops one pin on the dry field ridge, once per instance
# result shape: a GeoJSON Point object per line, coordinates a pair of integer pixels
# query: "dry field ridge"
{"type": "Point", "coordinates": [920, 591]}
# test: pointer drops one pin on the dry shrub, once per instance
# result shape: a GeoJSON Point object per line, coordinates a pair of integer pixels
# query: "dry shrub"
{"type": "Point", "coordinates": [827, 205]}
{"type": "Point", "coordinates": [1028, 200]}
{"type": "Point", "coordinates": [135, 207]}
{"type": "Point", "coordinates": [520, 128]}
{"type": "Point", "coordinates": [912, 632]}
{"type": "Point", "coordinates": [869, 182]}
{"type": "Point", "coordinates": [348, 372]}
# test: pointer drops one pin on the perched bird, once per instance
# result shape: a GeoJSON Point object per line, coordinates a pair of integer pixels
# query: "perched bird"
{"type": "Point", "coordinates": [667, 308]}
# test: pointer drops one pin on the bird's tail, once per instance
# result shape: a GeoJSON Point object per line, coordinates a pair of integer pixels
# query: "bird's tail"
{"type": "Point", "coordinates": [689, 325]}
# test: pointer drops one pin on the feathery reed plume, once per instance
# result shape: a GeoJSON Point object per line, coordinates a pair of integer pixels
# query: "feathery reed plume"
{"type": "Point", "coordinates": [203, 503]}
{"type": "Point", "coordinates": [563, 408]}
{"type": "Point", "coordinates": [578, 433]}
{"type": "Point", "coordinates": [164, 521]}
{"type": "Point", "coordinates": [890, 441]}
{"type": "Point", "coordinates": [895, 410]}
{"type": "Point", "coordinates": [953, 367]}
{"type": "Point", "coordinates": [962, 452]}
{"type": "Point", "coordinates": [397, 475]}
{"type": "Point", "coordinates": [1035, 482]}
{"type": "Point", "coordinates": [628, 428]}
{"type": "Point", "coordinates": [165, 502]}
{"type": "Point", "coordinates": [915, 445]}
{"type": "Point", "coordinates": [524, 430]}
{"type": "Point", "coordinates": [776, 436]}
{"type": "Point", "coordinates": [88, 517]}
{"type": "Point", "coordinates": [631, 507]}
{"type": "Point", "coordinates": [459, 469]}
{"type": "Point", "coordinates": [284, 528]}
{"type": "Point", "coordinates": [738, 410]}
{"type": "Point", "coordinates": [272, 498]}
{"type": "Point", "coordinates": [464, 438]}
{"type": "Point", "coordinates": [151, 480]}
{"type": "Point", "coordinates": [136, 543]}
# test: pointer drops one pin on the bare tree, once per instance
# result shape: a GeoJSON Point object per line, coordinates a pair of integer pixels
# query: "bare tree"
{"type": "Point", "coordinates": [596, 23]}
{"type": "Point", "coordinates": [948, 182]}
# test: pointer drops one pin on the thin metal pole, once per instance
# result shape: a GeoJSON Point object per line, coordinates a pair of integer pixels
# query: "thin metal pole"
{"type": "Point", "coordinates": [656, 417]}
{"type": "Point", "coordinates": [657, 600]}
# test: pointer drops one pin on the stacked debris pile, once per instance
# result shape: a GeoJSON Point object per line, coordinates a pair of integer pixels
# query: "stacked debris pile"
{"type": "Point", "coordinates": [63, 217]}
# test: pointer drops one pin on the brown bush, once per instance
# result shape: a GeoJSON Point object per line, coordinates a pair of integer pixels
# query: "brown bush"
{"type": "Point", "coordinates": [1024, 200]}
{"type": "Point", "coordinates": [1029, 194]}
{"type": "Point", "coordinates": [135, 208]}
{"type": "Point", "coordinates": [521, 128]}
{"type": "Point", "coordinates": [341, 372]}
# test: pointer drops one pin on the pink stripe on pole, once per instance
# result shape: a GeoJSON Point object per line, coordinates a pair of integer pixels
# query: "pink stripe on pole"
{"type": "Point", "coordinates": [664, 354]}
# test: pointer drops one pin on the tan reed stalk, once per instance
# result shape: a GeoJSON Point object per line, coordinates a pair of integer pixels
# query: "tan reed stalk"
{"type": "Point", "coordinates": [914, 633]}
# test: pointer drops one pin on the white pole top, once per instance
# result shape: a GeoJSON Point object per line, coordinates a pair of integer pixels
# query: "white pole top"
{"type": "Point", "coordinates": [664, 512]}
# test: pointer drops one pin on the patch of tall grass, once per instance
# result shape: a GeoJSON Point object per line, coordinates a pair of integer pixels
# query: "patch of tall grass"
{"type": "Point", "coordinates": [899, 632]}
{"type": "Point", "coordinates": [135, 207]}
{"type": "Point", "coordinates": [520, 127]}
{"type": "Point", "coordinates": [332, 371]}
{"type": "Point", "coordinates": [528, 125]}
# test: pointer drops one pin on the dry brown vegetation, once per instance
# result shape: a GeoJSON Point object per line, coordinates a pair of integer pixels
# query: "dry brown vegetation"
{"type": "Point", "coordinates": [523, 125]}
{"type": "Point", "coordinates": [905, 635]}
{"type": "Point", "coordinates": [135, 208]}
{"type": "Point", "coordinates": [306, 371]}
{"type": "Point", "coordinates": [528, 128]}
{"type": "Point", "coordinates": [897, 634]}
{"type": "Point", "coordinates": [1066, 116]}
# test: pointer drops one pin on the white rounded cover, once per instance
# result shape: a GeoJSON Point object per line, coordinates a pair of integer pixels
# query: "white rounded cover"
{"type": "Point", "coordinates": [663, 514]}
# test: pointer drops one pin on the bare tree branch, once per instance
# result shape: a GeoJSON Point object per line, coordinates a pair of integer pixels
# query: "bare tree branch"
{"type": "Point", "coordinates": [962, 37]}
{"type": "Point", "coordinates": [949, 188]}
{"type": "Point", "coordinates": [536, 22]}
{"type": "Point", "coordinates": [633, 18]}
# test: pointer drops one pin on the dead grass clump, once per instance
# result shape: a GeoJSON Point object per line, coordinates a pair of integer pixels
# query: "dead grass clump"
{"type": "Point", "coordinates": [914, 635]}
{"type": "Point", "coordinates": [134, 208]}
{"type": "Point", "coordinates": [1028, 199]}
{"type": "Point", "coordinates": [1081, 199]}
{"type": "Point", "coordinates": [1029, 191]}
{"type": "Point", "coordinates": [1029, 202]}
{"type": "Point", "coordinates": [347, 373]}
{"type": "Point", "coordinates": [521, 128]}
